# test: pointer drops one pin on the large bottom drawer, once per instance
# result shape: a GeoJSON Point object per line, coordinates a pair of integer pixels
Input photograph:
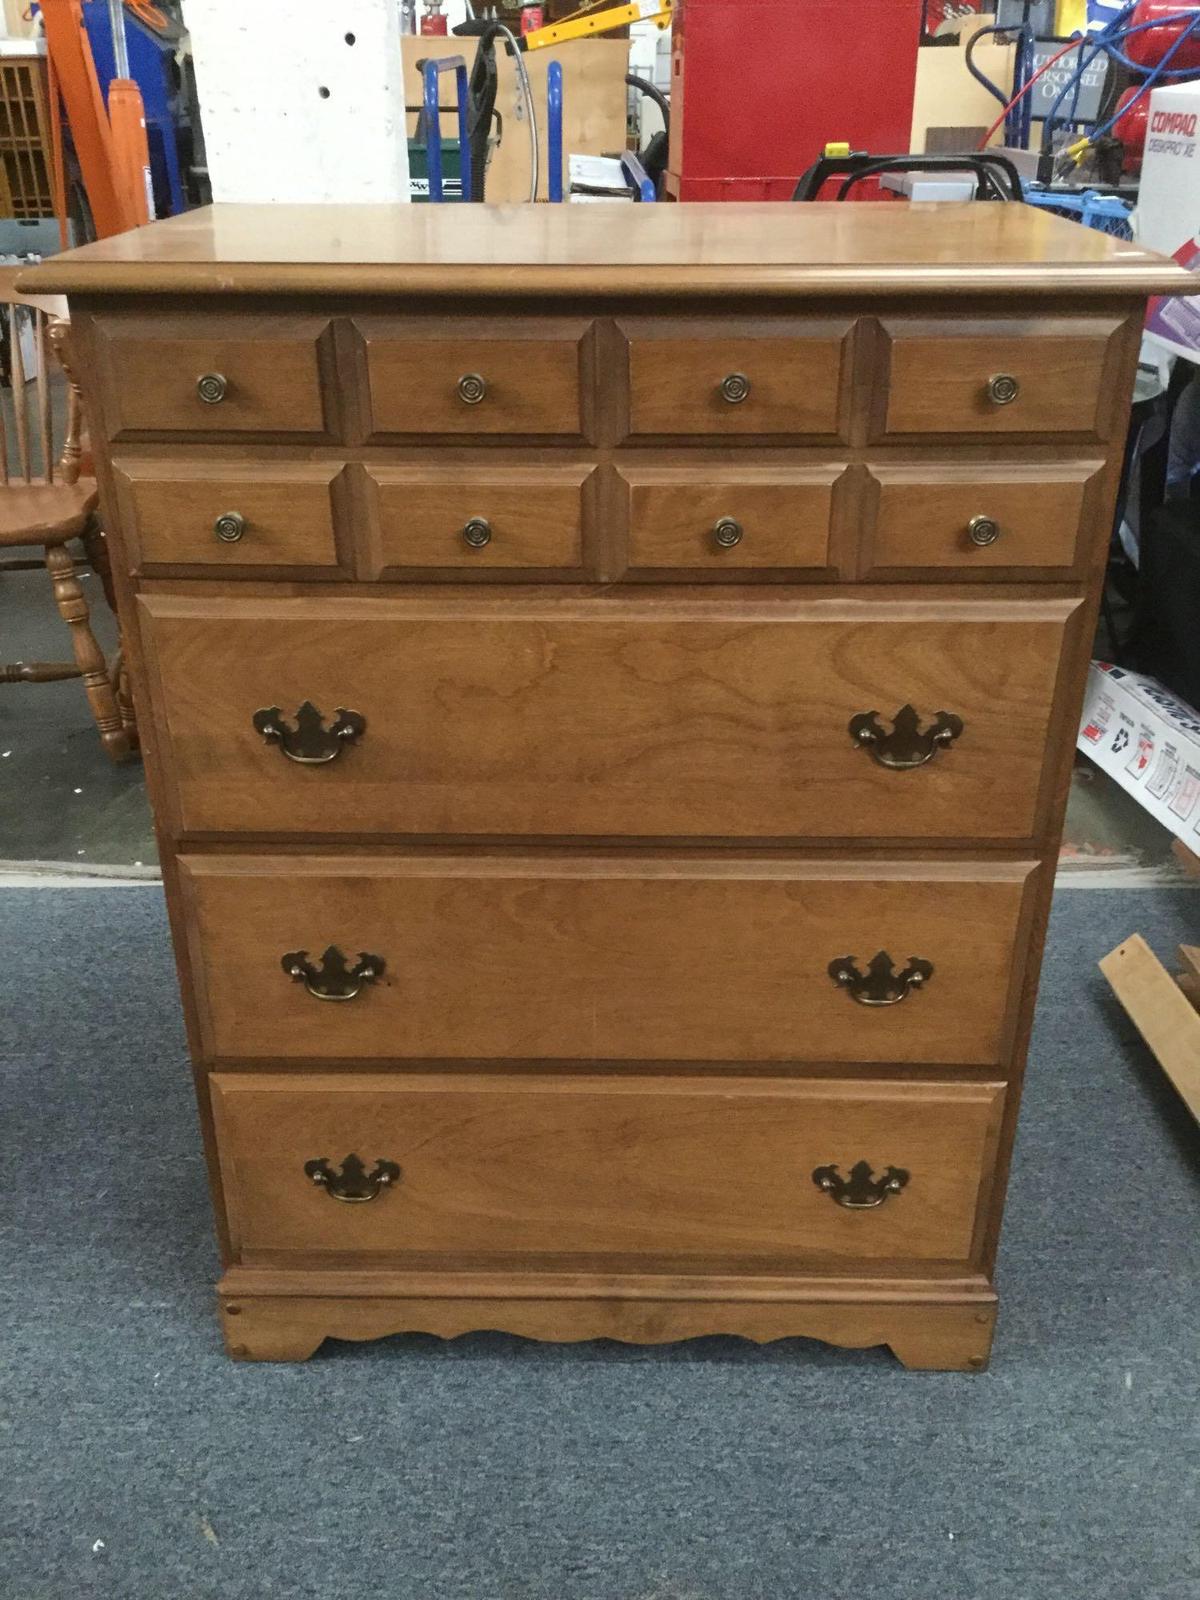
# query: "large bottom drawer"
{"type": "Point", "coordinates": [477, 1169]}
{"type": "Point", "coordinates": [666, 958]}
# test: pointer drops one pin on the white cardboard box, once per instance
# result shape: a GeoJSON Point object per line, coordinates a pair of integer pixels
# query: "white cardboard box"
{"type": "Point", "coordinates": [1149, 741]}
{"type": "Point", "coordinates": [1168, 210]}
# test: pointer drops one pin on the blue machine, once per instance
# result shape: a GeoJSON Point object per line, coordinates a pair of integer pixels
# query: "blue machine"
{"type": "Point", "coordinates": [152, 67]}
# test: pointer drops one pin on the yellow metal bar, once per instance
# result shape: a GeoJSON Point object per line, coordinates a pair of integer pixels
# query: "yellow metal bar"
{"type": "Point", "coordinates": [658, 11]}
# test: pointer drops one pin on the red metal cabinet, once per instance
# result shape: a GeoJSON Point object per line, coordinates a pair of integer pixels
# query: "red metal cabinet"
{"type": "Point", "coordinates": [759, 87]}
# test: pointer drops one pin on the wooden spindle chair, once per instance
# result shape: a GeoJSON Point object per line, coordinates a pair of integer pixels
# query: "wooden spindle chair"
{"type": "Point", "coordinates": [48, 497]}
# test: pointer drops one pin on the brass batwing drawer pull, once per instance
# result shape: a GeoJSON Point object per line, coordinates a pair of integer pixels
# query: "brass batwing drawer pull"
{"type": "Point", "coordinates": [353, 1184]}
{"type": "Point", "coordinates": [735, 388]}
{"type": "Point", "coordinates": [881, 984]}
{"type": "Point", "coordinates": [212, 388]}
{"type": "Point", "coordinates": [727, 532]}
{"type": "Point", "coordinates": [861, 1191]}
{"type": "Point", "coordinates": [1002, 389]}
{"type": "Point", "coordinates": [229, 527]}
{"type": "Point", "coordinates": [477, 532]}
{"type": "Point", "coordinates": [983, 531]}
{"type": "Point", "coordinates": [908, 745]}
{"type": "Point", "coordinates": [333, 979]}
{"type": "Point", "coordinates": [310, 742]}
{"type": "Point", "coordinates": [472, 389]}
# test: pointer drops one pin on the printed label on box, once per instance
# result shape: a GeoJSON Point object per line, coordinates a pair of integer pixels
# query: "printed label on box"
{"type": "Point", "coordinates": [1185, 796]}
{"type": "Point", "coordinates": [1096, 726]}
{"type": "Point", "coordinates": [1142, 751]}
{"type": "Point", "coordinates": [1166, 769]}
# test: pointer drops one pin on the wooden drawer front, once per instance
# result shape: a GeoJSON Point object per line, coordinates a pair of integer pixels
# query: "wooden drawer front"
{"type": "Point", "coordinates": [227, 514]}
{"type": "Point", "coordinates": [155, 370]}
{"type": "Point", "coordinates": [944, 382]}
{"type": "Point", "coordinates": [480, 518]}
{"type": "Point", "coordinates": [719, 377]}
{"type": "Point", "coordinates": [494, 957]}
{"type": "Point", "coordinates": [713, 519]}
{"type": "Point", "coordinates": [971, 518]}
{"type": "Point", "coordinates": [644, 1167]}
{"type": "Point", "coordinates": [609, 717]}
{"type": "Point", "coordinates": [423, 377]}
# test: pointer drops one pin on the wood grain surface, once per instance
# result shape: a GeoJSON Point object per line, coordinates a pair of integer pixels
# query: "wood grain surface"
{"type": "Point", "coordinates": [710, 1170]}
{"type": "Point", "coordinates": [793, 369]}
{"type": "Point", "coordinates": [785, 514]}
{"type": "Point", "coordinates": [923, 510]}
{"type": "Point", "coordinates": [535, 516]}
{"type": "Point", "coordinates": [605, 824]}
{"type": "Point", "coordinates": [530, 371]}
{"type": "Point", "coordinates": [273, 1315]}
{"type": "Point", "coordinates": [535, 252]}
{"type": "Point", "coordinates": [637, 717]}
{"type": "Point", "coordinates": [271, 366]}
{"type": "Point", "coordinates": [605, 958]}
{"type": "Point", "coordinates": [169, 508]}
{"type": "Point", "coordinates": [939, 376]}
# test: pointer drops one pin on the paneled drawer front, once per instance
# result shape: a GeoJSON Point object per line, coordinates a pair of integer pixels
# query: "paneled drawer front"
{"type": "Point", "coordinates": [215, 375]}
{"type": "Point", "coordinates": [628, 717]}
{"type": "Point", "coordinates": [492, 957]}
{"type": "Point", "coordinates": [642, 1167]}
{"type": "Point", "coordinates": [480, 518]}
{"type": "Point", "coordinates": [721, 377]}
{"type": "Point", "coordinates": [427, 376]}
{"type": "Point", "coordinates": [1001, 377]}
{"type": "Point", "coordinates": [713, 519]}
{"type": "Point", "coordinates": [228, 514]}
{"type": "Point", "coordinates": [970, 518]}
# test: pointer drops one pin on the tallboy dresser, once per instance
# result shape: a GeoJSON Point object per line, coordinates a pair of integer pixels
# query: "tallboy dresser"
{"type": "Point", "coordinates": [609, 679]}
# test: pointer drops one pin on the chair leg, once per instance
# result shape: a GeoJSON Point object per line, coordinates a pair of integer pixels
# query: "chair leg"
{"type": "Point", "coordinates": [96, 549]}
{"type": "Point", "coordinates": [68, 595]}
{"type": "Point", "coordinates": [123, 689]}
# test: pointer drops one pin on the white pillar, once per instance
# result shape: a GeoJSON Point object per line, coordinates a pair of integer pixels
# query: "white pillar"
{"type": "Point", "coordinates": [303, 102]}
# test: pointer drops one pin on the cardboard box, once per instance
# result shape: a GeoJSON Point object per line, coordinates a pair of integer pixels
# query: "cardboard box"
{"type": "Point", "coordinates": [1168, 211]}
{"type": "Point", "coordinates": [1149, 741]}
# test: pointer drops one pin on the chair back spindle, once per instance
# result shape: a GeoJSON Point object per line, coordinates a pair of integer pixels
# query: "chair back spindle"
{"type": "Point", "coordinates": [34, 331]}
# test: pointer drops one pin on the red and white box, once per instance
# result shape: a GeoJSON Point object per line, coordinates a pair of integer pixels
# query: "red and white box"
{"type": "Point", "coordinates": [1149, 741]}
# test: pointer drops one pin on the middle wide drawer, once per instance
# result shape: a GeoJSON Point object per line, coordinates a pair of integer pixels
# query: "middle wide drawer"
{"type": "Point", "coordinates": [605, 716]}
{"type": "Point", "coordinates": [525, 957]}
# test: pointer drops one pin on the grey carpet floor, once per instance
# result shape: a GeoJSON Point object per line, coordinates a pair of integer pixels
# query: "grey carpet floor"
{"type": "Point", "coordinates": [138, 1462]}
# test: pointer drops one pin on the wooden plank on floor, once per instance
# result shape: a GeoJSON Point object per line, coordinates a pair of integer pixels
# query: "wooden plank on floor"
{"type": "Point", "coordinates": [1189, 954]}
{"type": "Point", "coordinates": [1160, 1011]}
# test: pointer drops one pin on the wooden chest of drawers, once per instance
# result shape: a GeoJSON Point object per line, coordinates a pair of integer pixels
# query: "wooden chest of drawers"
{"type": "Point", "coordinates": [609, 680]}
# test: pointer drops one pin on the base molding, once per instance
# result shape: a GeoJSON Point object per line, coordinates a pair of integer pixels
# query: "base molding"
{"type": "Point", "coordinates": [931, 1325]}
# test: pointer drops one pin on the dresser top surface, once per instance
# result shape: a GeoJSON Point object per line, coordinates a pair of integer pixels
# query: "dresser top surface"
{"type": "Point", "coordinates": [775, 249]}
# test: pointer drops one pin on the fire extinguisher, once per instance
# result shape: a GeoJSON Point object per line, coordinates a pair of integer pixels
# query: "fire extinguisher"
{"type": "Point", "coordinates": [434, 21]}
{"type": "Point", "coordinates": [1130, 127]}
{"type": "Point", "coordinates": [532, 17]}
{"type": "Point", "coordinates": [1148, 48]}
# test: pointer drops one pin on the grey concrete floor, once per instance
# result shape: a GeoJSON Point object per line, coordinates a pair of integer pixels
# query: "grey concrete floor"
{"type": "Point", "coordinates": [61, 798]}
{"type": "Point", "coordinates": [63, 801]}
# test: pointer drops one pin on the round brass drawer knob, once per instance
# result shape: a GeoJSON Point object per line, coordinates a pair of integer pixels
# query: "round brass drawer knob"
{"type": "Point", "coordinates": [471, 389]}
{"type": "Point", "coordinates": [735, 388]}
{"type": "Point", "coordinates": [727, 532]}
{"type": "Point", "coordinates": [229, 527]}
{"type": "Point", "coordinates": [478, 532]}
{"type": "Point", "coordinates": [983, 530]}
{"type": "Point", "coordinates": [212, 388]}
{"type": "Point", "coordinates": [1002, 389]}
